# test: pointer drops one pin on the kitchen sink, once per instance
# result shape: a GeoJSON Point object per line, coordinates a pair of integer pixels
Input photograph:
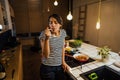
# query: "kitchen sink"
{"type": "Point", "coordinates": [101, 73]}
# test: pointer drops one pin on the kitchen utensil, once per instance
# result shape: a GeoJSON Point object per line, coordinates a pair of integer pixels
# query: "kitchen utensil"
{"type": "Point", "coordinates": [81, 57]}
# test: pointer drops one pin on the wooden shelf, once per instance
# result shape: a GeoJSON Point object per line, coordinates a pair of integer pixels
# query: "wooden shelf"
{"type": "Point", "coordinates": [82, 22]}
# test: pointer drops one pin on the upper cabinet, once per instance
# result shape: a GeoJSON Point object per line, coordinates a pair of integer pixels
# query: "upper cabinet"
{"type": "Point", "coordinates": [6, 12]}
{"type": "Point", "coordinates": [3, 15]}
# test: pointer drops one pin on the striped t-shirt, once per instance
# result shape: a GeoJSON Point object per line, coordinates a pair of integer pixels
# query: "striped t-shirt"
{"type": "Point", "coordinates": [56, 46]}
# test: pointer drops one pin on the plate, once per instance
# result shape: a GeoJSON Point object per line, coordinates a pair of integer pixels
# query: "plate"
{"type": "Point", "coordinates": [2, 75]}
{"type": "Point", "coordinates": [81, 57]}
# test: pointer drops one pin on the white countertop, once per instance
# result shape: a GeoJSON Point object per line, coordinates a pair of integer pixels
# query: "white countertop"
{"type": "Point", "coordinates": [91, 51]}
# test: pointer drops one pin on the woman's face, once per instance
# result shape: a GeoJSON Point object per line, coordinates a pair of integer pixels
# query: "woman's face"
{"type": "Point", "coordinates": [54, 25]}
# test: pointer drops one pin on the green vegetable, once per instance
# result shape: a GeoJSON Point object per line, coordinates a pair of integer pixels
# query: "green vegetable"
{"type": "Point", "coordinates": [75, 43]}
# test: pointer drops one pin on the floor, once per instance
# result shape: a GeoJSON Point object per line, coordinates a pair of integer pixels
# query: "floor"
{"type": "Point", "coordinates": [31, 64]}
{"type": "Point", "coordinates": [32, 61]}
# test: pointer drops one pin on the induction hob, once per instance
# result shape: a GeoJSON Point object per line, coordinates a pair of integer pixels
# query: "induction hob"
{"type": "Point", "coordinates": [74, 63]}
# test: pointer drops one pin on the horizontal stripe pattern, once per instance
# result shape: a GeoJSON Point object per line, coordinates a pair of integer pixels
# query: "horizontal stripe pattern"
{"type": "Point", "coordinates": [56, 46]}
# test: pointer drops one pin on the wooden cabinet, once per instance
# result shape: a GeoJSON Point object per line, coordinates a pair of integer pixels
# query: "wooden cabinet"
{"type": "Point", "coordinates": [13, 66]}
{"type": "Point", "coordinates": [6, 12]}
{"type": "Point", "coordinates": [1, 13]}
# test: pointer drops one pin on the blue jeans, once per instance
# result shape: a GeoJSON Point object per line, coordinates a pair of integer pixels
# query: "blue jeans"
{"type": "Point", "coordinates": [51, 72]}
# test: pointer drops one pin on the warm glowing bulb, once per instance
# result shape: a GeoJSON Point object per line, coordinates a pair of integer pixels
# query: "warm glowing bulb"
{"type": "Point", "coordinates": [55, 3]}
{"type": "Point", "coordinates": [1, 27]}
{"type": "Point", "coordinates": [98, 25]}
{"type": "Point", "coordinates": [48, 9]}
{"type": "Point", "coordinates": [69, 16]}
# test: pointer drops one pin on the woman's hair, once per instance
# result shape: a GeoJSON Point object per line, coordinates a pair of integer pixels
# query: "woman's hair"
{"type": "Point", "coordinates": [57, 17]}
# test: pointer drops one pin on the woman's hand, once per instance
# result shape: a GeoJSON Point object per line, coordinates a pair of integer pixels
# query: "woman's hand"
{"type": "Point", "coordinates": [65, 67]}
{"type": "Point", "coordinates": [47, 32]}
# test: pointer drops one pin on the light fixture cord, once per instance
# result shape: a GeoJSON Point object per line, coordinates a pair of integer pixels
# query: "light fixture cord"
{"type": "Point", "coordinates": [99, 14]}
{"type": "Point", "coordinates": [99, 10]}
{"type": "Point", "coordinates": [69, 5]}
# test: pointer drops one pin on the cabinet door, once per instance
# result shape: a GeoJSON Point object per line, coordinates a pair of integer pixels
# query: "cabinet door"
{"type": "Point", "coordinates": [1, 15]}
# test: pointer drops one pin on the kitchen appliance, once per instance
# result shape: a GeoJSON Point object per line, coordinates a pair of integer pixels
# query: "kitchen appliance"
{"type": "Point", "coordinates": [72, 62]}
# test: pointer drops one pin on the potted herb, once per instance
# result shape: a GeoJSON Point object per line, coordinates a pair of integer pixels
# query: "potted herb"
{"type": "Point", "coordinates": [104, 52]}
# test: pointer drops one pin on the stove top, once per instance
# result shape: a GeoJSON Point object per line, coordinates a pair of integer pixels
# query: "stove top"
{"type": "Point", "coordinates": [74, 63]}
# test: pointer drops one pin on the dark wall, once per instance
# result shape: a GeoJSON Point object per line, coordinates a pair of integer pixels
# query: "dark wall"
{"type": "Point", "coordinates": [31, 15]}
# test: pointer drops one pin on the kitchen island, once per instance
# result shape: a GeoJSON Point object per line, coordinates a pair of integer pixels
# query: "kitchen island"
{"type": "Point", "coordinates": [91, 51]}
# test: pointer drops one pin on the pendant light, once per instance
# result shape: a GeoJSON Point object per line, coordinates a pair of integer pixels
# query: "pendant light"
{"type": "Point", "coordinates": [1, 27]}
{"type": "Point", "coordinates": [55, 3]}
{"type": "Point", "coordinates": [69, 16]}
{"type": "Point", "coordinates": [48, 9]}
{"type": "Point", "coordinates": [98, 20]}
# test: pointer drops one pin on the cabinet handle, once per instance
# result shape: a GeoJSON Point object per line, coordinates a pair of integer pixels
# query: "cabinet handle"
{"type": "Point", "coordinates": [13, 72]}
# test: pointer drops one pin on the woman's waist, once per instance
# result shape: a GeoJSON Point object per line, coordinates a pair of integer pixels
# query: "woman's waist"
{"type": "Point", "coordinates": [45, 65]}
{"type": "Point", "coordinates": [52, 61]}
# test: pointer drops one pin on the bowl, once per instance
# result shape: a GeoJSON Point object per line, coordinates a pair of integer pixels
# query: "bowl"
{"type": "Point", "coordinates": [75, 43]}
{"type": "Point", "coordinates": [2, 75]}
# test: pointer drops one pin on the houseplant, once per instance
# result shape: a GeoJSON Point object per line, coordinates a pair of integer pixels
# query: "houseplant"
{"type": "Point", "coordinates": [104, 52]}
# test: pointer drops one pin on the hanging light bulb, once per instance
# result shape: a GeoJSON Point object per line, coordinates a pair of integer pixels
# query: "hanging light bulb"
{"type": "Point", "coordinates": [98, 21]}
{"type": "Point", "coordinates": [98, 24]}
{"type": "Point", "coordinates": [48, 10]}
{"type": "Point", "coordinates": [48, 7]}
{"type": "Point", "coordinates": [55, 3]}
{"type": "Point", "coordinates": [69, 16]}
{"type": "Point", "coordinates": [1, 27]}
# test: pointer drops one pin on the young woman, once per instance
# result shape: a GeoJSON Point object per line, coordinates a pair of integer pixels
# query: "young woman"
{"type": "Point", "coordinates": [52, 43]}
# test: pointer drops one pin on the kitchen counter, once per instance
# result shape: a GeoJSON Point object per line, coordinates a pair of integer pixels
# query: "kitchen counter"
{"type": "Point", "coordinates": [12, 61]}
{"type": "Point", "coordinates": [91, 51]}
